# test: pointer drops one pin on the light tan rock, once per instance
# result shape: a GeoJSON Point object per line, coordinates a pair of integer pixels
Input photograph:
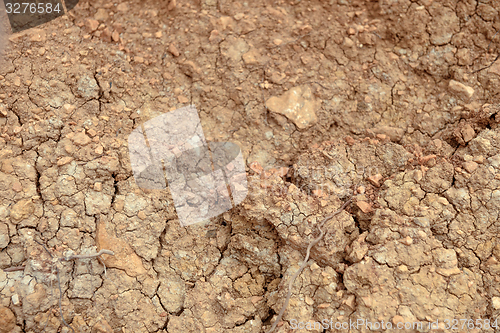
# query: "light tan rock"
{"type": "Point", "coordinates": [7, 320]}
{"type": "Point", "coordinates": [91, 25]}
{"type": "Point", "coordinates": [468, 133]}
{"type": "Point", "coordinates": [461, 90]}
{"type": "Point", "coordinates": [495, 302]}
{"type": "Point", "coordinates": [298, 105]}
{"type": "Point", "coordinates": [102, 327]}
{"type": "Point", "coordinates": [101, 14]}
{"type": "Point", "coordinates": [124, 256]}
{"type": "Point", "coordinates": [22, 210]}
{"type": "Point", "coordinates": [375, 179]}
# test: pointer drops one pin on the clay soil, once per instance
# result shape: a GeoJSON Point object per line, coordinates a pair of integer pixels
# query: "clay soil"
{"type": "Point", "coordinates": [386, 101]}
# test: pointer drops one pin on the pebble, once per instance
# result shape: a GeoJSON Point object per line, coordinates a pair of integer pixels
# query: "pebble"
{"type": "Point", "coordinates": [468, 133]}
{"type": "Point", "coordinates": [64, 160]}
{"type": "Point", "coordinates": [15, 299]}
{"type": "Point", "coordinates": [91, 24]}
{"type": "Point", "coordinates": [298, 105]}
{"type": "Point", "coordinates": [239, 16]}
{"type": "Point", "coordinates": [4, 235]}
{"type": "Point", "coordinates": [102, 327]}
{"type": "Point", "coordinates": [182, 99]}
{"type": "Point", "coordinates": [7, 320]}
{"type": "Point", "coordinates": [251, 57]}
{"type": "Point", "coordinates": [101, 14]}
{"type": "Point", "coordinates": [461, 90]}
{"type": "Point", "coordinates": [172, 4]}
{"type": "Point", "coordinates": [173, 50]}
{"type": "Point", "coordinates": [123, 7]}
{"type": "Point", "coordinates": [470, 166]}
{"type": "Point", "coordinates": [375, 179]}
{"type": "Point", "coordinates": [495, 302]}
{"type": "Point", "coordinates": [364, 206]}
{"type": "Point", "coordinates": [115, 36]}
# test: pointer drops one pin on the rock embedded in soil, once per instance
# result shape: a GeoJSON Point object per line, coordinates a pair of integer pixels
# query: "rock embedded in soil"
{"type": "Point", "coordinates": [461, 90]}
{"type": "Point", "coordinates": [7, 320]}
{"type": "Point", "coordinates": [298, 105]}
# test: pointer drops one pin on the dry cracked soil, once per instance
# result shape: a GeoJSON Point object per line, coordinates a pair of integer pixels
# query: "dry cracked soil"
{"type": "Point", "coordinates": [385, 99]}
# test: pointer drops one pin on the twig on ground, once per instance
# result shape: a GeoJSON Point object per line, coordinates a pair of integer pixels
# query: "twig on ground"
{"type": "Point", "coordinates": [61, 259]}
{"type": "Point", "coordinates": [306, 259]}
{"type": "Point", "coordinates": [498, 57]}
{"type": "Point", "coordinates": [15, 268]}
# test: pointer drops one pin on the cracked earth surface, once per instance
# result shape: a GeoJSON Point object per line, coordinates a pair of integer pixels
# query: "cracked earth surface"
{"type": "Point", "coordinates": [389, 104]}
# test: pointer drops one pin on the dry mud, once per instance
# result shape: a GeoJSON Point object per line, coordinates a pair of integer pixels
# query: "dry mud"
{"type": "Point", "coordinates": [389, 105]}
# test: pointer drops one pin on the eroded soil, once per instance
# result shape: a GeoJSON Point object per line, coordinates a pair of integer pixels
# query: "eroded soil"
{"type": "Point", "coordinates": [390, 107]}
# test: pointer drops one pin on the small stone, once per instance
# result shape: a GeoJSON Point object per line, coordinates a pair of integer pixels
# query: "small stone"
{"type": "Point", "coordinates": [81, 139]}
{"type": "Point", "coordinates": [461, 90]}
{"type": "Point", "coordinates": [495, 302]}
{"type": "Point", "coordinates": [15, 299]}
{"type": "Point", "coordinates": [139, 60]}
{"type": "Point", "coordinates": [182, 99]}
{"type": "Point", "coordinates": [101, 14]}
{"type": "Point", "coordinates": [124, 256]}
{"type": "Point", "coordinates": [122, 7]}
{"type": "Point", "coordinates": [479, 159]}
{"type": "Point", "coordinates": [7, 320]}
{"type": "Point", "coordinates": [64, 160]}
{"type": "Point", "coordinates": [239, 16]}
{"type": "Point", "coordinates": [158, 34]}
{"type": "Point", "coordinates": [173, 50]}
{"type": "Point", "coordinates": [256, 167]}
{"type": "Point", "coordinates": [102, 327]}
{"type": "Point", "coordinates": [468, 133]}
{"type": "Point", "coordinates": [349, 140]}
{"type": "Point", "coordinates": [348, 42]}
{"type": "Point", "coordinates": [4, 235]}
{"type": "Point", "coordinates": [407, 240]}
{"type": "Point", "coordinates": [115, 36]}
{"type": "Point", "coordinates": [21, 210]}
{"type": "Point", "coordinates": [350, 301]}
{"type": "Point", "coordinates": [364, 206]}
{"type": "Point", "coordinates": [141, 215]}
{"type": "Point", "coordinates": [394, 133]}
{"type": "Point", "coordinates": [397, 319]}
{"type": "Point", "coordinates": [251, 57]}
{"type": "Point", "coordinates": [98, 186]}
{"type": "Point", "coordinates": [298, 105]}
{"type": "Point", "coordinates": [470, 166]}
{"type": "Point", "coordinates": [277, 42]}
{"type": "Point", "coordinates": [214, 37]}
{"type": "Point", "coordinates": [17, 186]}
{"type": "Point", "coordinates": [91, 24]}
{"type": "Point", "coordinates": [91, 132]}
{"type": "Point", "coordinates": [106, 35]}
{"type": "Point", "coordinates": [225, 22]}
{"type": "Point", "coordinates": [172, 4]}
{"type": "Point", "coordinates": [375, 179]}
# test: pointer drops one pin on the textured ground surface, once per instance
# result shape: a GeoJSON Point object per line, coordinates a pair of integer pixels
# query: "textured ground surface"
{"type": "Point", "coordinates": [323, 96]}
